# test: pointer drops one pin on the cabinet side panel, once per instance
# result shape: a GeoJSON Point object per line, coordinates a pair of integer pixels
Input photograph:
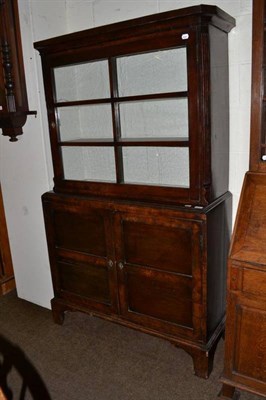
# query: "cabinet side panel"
{"type": "Point", "coordinates": [219, 223]}
{"type": "Point", "coordinates": [219, 109]}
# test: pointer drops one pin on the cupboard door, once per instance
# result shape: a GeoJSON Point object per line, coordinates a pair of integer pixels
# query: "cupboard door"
{"type": "Point", "coordinates": [82, 255]}
{"type": "Point", "coordinates": [159, 273]}
{"type": "Point", "coordinates": [246, 347]}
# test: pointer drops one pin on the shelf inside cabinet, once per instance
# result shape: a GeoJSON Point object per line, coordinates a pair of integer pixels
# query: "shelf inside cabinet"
{"type": "Point", "coordinates": [158, 142]}
{"type": "Point", "coordinates": [87, 142]}
{"type": "Point", "coordinates": [111, 100]}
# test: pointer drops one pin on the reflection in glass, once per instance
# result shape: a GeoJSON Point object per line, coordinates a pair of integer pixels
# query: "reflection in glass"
{"type": "Point", "coordinates": [89, 163]}
{"type": "Point", "coordinates": [82, 81]}
{"type": "Point", "coordinates": [163, 166]}
{"type": "Point", "coordinates": [159, 118]}
{"type": "Point", "coordinates": [90, 122]}
{"type": "Point", "coordinates": [153, 72]}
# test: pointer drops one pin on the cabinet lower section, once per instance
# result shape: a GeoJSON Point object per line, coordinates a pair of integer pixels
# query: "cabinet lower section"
{"type": "Point", "coordinates": [158, 270]}
{"type": "Point", "coordinates": [245, 339]}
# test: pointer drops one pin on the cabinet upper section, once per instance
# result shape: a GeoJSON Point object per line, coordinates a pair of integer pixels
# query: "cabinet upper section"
{"type": "Point", "coordinates": [139, 109]}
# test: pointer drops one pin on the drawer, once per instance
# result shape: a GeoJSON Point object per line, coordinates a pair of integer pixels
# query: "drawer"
{"type": "Point", "coordinates": [254, 282]}
{"type": "Point", "coordinates": [247, 280]}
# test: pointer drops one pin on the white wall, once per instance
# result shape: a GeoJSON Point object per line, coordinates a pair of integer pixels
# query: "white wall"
{"type": "Point", "coordinates": [25, 166]}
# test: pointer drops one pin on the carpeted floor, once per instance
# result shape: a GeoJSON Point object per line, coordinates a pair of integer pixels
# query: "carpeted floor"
{"type": "Point", "coordinates": [91, 359]}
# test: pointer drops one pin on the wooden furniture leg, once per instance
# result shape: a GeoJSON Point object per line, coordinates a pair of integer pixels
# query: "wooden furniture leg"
{"type": "Point", "coordinates": [203, 363]}
{"type": "Point", "coordinates": [228, 392]}
{"type": "Point", "coordinates": [58, 311]}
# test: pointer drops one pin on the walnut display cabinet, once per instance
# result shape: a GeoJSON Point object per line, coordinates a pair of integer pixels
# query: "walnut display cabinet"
{"type": "Point", "coordinates": [245, 339]}
{"type": "Point", "coordinates": [138, 223]}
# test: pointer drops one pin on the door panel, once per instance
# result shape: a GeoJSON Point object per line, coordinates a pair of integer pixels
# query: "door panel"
{"type": "Point", "coordinates": [81, 232]}
{"type": "Point", "coordinates": [245, 349]}
{"type": "Point", "coordinates": [159, 272]}
{"type": "Point", "coordinates": [249, 363]}
{"type": "Point", "coordinates": [163, 247]}
{"type": "Point", "coordinates": [162, 296]}
{"type": "Point", "coordinates": [81, 251]}
{"type": "Point", "coordinates": [89, 280]}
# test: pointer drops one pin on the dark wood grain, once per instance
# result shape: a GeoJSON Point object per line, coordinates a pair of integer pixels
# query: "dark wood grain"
{"type": "Point", "coordinates": [130, 28]}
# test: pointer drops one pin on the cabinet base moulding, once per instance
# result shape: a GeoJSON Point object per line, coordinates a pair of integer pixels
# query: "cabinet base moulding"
{"type": "Point", "coordinates": [7, 286]}
{"type": "Point", "coordinates": [231, 389]}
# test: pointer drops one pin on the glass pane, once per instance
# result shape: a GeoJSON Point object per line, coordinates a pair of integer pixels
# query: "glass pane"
{"type": "Point", "coordinates": [156, 166]}
{"type": "Point", "coordinates": [90, 122]}
{"type": "Point", "coordinates": [82, 81]}
{"type": "Point", "coordinates": [153, 72]}
{"type": "Point", "coordinates": [160, 118]}
{"type": "Point", "coordinates": [89, 163]}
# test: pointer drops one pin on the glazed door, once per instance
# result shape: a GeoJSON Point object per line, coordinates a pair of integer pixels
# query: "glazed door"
{"type": "Point", "coordinates": [82, 255]}
{"type": "Point", "coordinates": [159, 272]}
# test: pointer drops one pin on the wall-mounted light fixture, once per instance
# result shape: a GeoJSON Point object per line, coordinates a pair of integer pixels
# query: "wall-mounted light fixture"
{"type": "Point", "coordinates": [14, 107]}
